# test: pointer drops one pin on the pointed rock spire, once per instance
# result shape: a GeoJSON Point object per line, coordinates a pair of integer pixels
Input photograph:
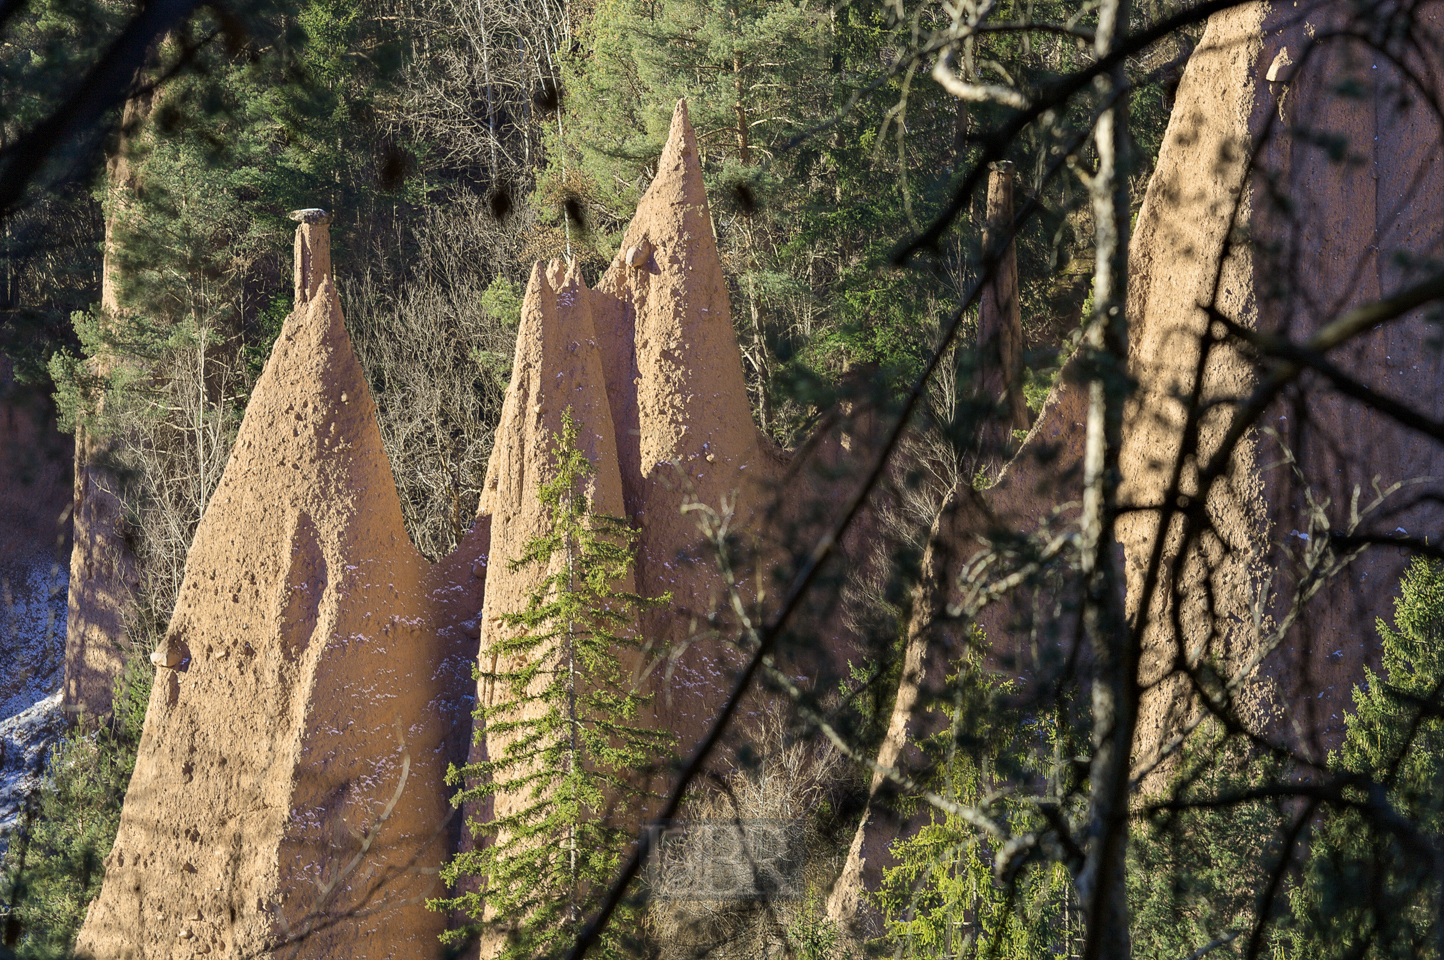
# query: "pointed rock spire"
{"type": "Point", "coordinates": [291, 769]}
{"type": "Point", "coordinates": [686, 369]}
{"type": "Point", "coordinates": [557, 367]}
{"type": "Point", "coordinates": [684, 422]}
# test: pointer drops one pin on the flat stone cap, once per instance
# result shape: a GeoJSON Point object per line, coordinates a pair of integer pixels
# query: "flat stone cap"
{"type": "Point", "coordinates": [310, 215]}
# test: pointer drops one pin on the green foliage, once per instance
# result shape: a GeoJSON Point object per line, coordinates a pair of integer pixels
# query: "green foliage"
{"type": "Point", "coordinates": [502, 299]}
{"type": "Point", "coordinates": [954, 892]}
{"type": "Point", "coordinates": [49, 263]}
{"type": "Point", "coordinates": [77, 389]}
{"type": "Point", "coordinates": [135, 349]}
{"type": "Point", "coordinates": [1371, 887]}
{"type": "Point", "coordinates": [812, 935]}
{"type": "Point", "coordinates": [278, 119]}
{"type": "Point", "coordinates": [55, 866]}
{"type": "Point", "coordinates": [566, 709]}
{"type": "Point", "coordinates": [1198, 866]}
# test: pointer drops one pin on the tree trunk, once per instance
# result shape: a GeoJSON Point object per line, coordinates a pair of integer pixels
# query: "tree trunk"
{"type": "Point", "coordinates": [1000, 326]}
{"type": "Point", "coordinates": [744, 141]}
{"type": "Point", "coordinates": [962, 123]}
{"type": "Point", "coordinates": [763, 363]}
{"type": "Point", "coordinates": [1102, 881]}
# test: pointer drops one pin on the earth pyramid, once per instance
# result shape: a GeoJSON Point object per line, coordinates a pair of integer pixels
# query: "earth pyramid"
{"type": "Point", "coordinates": [557, 369]}
{"type": "Point", "coordinates": [685, 430]}
{"type": "Point", "coordinates": [289, 793]}
{"type": "Point", "coordinates": [1247, 154]}
{"type": "Point", "coordinates": [290, 770]}
{"type": "Point", "coordinates": [649, 367]}
{"type": "Point", "coordinates": [1322, 152]}
{"type": "Point", "coordinates": [680, 425]}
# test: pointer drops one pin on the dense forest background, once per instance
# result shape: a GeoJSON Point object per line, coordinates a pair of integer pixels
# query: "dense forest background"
{"type": "Point", "coordinates": [458, 143]}
{"type": "Point", "coordinates": [147, 269]}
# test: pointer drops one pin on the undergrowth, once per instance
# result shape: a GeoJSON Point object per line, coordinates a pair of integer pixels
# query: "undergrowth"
{"type": "Point", "coordinates": [56, 860]}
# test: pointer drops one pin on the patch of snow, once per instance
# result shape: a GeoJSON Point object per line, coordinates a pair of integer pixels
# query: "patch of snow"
{"type": "Point", "coordinates": [25, 742]}
{"type": "Point", "coordinates": [32, 633]}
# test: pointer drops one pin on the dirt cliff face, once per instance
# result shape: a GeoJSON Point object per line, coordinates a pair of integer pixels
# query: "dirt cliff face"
{"type": "Point", "coordinates": [1179, 261]}
{"type": "Point", "coordinates": [1343, 191]}
{"type": "Point", "coordinates": [288, 794]}
{"type": "Point", "coordinates": [103, 579]}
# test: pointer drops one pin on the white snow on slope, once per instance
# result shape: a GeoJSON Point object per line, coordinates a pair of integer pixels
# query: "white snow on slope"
{"type": "Point", "coordinates": [32, 670]}
{"type": "Point", "coordinates": [25, 742]}
{"type": "Point", "coordinates": [32, 633]}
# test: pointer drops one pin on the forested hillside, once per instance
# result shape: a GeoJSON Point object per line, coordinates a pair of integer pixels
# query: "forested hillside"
{"type": "Point", "coordinates": [1113, 684]}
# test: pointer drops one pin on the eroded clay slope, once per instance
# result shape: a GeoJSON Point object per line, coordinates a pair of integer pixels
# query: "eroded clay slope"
{"type": "Point", "coordinates": [1332, 229]}
{"type": "Point", "coordinates": [288, 794]}
{"type": "Point", "coordinates": [684, 424]}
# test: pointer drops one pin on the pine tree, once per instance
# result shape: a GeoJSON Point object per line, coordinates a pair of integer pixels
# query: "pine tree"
{"type": "Point", "coordinates": [55, 862]}
{"type": "Point", "coordinates": [566, 707]}
{"type": "Point", "coordinates": [1198, 864]}
{"type": "Point", "coordinates": [1372, 885]}
{"type": "Point", "coordinates": [954, 892]}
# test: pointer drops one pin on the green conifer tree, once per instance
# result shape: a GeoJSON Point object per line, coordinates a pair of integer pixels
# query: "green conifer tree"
{"type": "Point", "coordinates": [566, 707]}
{"type": "Point", "coordinates": [54, 863]}
{"type": "Point", "coordinates": [1372, 885]}
{"type": "Point", "coordinates": [1204, 853]}
{"type": "Point", "coordinates": [954, 892]}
